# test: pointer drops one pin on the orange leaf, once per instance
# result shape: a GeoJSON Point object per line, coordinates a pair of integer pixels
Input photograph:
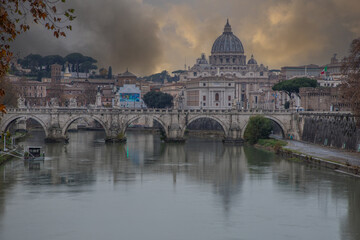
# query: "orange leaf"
{"type": "Point", "coordinates": [2, 108]}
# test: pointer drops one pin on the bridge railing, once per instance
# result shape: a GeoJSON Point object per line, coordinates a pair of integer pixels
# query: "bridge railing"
{"type": "Point", "coordinates": [165, 111]}
{"type": "Point", "coordinates": [144, 110]}
{"type": "Point", "coordinates": [333, 113]}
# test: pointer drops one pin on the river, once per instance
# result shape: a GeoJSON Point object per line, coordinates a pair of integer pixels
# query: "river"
{"type": "Point", "coordinates": [146, 189]}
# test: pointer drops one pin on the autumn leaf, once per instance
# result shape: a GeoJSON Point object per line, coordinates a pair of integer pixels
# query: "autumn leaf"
{"type": "Point", "coordinates": [15, 18]}
{"type": "Point", "coordinates": [2, 108]}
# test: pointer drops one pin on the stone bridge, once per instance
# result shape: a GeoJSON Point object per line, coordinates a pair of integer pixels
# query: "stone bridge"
{"type": "Point", "coordinates": [56, 121]}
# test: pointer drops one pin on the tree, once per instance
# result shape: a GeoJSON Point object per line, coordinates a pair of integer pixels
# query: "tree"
{"type": "Point", "coordinates": [14, 17]}
{"type": "Point", "coordinates": [88, 95]}
{"type": "Point", "coordinates": [110, 73]}
{"type": "Point", "coordinates": [49, 60]}
{"type": "Point", "coordinates": [87, 66]}
{"type": "Point", "coordinates": [9, 98]}
{"type": "Point", "coordinates": [31, 61]}
{"type": "Point", "coordinates": [258, 127]}
{"type": "Point", "coordinates": [160, 77]}
{"type": "Point", "coordinates": [103, 72]}
{"type": "Point", "coordinates": [75, 59]}
{"type": "Point", "coordinates": [351, 85]}
{"type": "Point", "coordinates": [155, 99]}
{"type": "Point", "coordinates": [292, 86]}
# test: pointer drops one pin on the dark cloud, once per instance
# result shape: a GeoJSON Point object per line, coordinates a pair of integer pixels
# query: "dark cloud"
{"type": "Point", "coordinates": [152, 35]}
{"type": "Point", "coordinates": [117, 33]}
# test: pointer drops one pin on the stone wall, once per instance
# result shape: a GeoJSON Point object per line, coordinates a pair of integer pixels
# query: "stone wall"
{"type": "Point", "coordinates": [323, 99]}
{"type": "Point", "coordinates": [335, 130]}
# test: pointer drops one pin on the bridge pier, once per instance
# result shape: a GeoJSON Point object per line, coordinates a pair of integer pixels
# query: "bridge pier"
{"type": "Point", "coordinates": [117, 138]}
{"type": "Point", "coordinates": [116, 134]}
{"type": "Point", "coordinates": [233, 136]}
{"type": "Point", "coordinates": [174, 134]}
{"type": "Point", "coordinates": [55, 135]}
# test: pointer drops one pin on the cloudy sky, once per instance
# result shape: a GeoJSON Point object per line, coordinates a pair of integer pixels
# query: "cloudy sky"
{"type": "Point", "coordinates": [149, 36]}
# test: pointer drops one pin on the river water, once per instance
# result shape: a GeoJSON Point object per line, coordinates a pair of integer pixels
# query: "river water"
{"type": "Point", "coordinates": [146, 189]}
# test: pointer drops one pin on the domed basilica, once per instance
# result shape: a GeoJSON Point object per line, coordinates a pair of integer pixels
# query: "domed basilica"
{"type": "Point", "coordinates": [226, 80]}
{"type": "Point", "coordinates": [227, 58]}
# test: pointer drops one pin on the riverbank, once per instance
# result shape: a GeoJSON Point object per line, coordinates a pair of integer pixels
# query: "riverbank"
{"type": "Point", "coordinates": [335, 159]}
{"type": "Point", "coordinates": [341, 167]}
{"type": "Point", "coordinates": [7, 156]}
{"type": "Point", "coordinates": [4, 158]}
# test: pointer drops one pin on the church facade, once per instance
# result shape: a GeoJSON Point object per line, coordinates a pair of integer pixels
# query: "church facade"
{"type": "Point", "coordinates": [226, 80]}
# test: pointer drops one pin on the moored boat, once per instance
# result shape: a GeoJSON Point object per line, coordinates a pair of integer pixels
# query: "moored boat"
{"type": "Point", "coordinates": [34, 153]}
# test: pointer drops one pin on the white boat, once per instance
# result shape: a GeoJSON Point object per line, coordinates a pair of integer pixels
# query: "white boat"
{"type": "Point", "coordinates": [34, 153]}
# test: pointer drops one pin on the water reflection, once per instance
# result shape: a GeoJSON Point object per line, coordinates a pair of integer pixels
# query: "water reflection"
{"type": "Point", "coordinates": [350, 224]}
{"type": "Point", "coordinates": [250, 186]}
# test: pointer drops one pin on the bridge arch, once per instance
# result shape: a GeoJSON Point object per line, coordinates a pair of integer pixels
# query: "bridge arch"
{"type": "Point", "coordinates": [273, 119]}
{"type": "Point", "coordinates": [127, 124]}
{"type": "Point", "coordinates": [5, 124]}
{"type": "Point", "coordinates": [73, 119]}
{"type": "Point", "coordinates": [222, 124]}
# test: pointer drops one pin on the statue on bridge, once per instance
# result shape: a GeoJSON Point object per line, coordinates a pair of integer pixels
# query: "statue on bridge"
{"type": "Point", "coordinates": [21, 102]}
{"type": "Point", "coordinates": [54, 102]}
{"type": "Point", "coordinates": [98, 99]}
{"type": "Point", "coordinates": [73, 103]}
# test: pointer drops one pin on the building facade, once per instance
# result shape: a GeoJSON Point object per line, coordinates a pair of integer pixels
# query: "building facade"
{"type": "Point", "coordinates": [227, 80]}
{"type": "Point", "coordinates": [323, 99]}
{"type": "Point", "coordinates": [210, 93]}
{"type": "Point", "coordinates": [128, 96]}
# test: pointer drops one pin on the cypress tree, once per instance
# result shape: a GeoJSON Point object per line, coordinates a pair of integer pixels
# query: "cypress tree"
{"type": "Point", "coordinates": [110, 73]}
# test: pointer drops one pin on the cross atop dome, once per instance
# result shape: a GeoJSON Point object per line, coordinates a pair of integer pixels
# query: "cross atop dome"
{"type": "Point", "coordinates": [227, 28]}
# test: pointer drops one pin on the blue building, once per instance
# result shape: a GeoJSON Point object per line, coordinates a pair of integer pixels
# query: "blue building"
{"type": "Point", "coordinates": [128, 96]}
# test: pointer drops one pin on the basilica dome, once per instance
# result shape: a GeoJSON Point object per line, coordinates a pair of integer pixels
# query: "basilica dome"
{"type": "Point", "coordinates": [252, 60]}
{"type": "Point", "coordinates": [227, 42]}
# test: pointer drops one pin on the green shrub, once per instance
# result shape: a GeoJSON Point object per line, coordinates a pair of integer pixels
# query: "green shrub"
{"type": "Point", "coordinates": [121, 136]}
{"type": "Point", "coordinates": [257, 128]}
{"type": "Point", "coordinates": [277, 147]}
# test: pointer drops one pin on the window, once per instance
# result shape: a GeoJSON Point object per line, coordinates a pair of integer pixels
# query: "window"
{"type": "Point", "coordinates": [216, 97]}
{"type": "Point", "coordinates": [204, 104]}
{"type": "Point", "coordinates": [217, 104]}
{"type": "Point", "coordinates": [230, 83]}
{"type": "Point", "coordinates": [204, 84]}
{"type": "Point", "coordinates": [229, 104]}
{"type": "Point", "coordinates": [261, 73]}
{"type": "Point", "coordinates": [229, 98]}
{"type": "Point", "coordinates": [204, 98]}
